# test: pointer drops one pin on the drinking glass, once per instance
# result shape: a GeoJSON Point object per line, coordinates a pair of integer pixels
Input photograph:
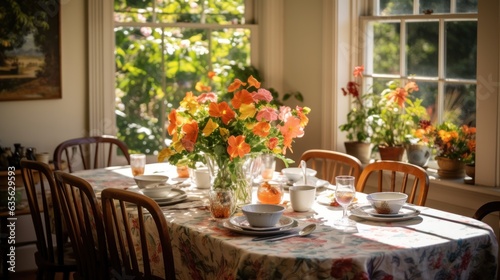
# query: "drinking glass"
{"type": "Point", "coordinates": [344, 195]}
{"type": "Point", "coordinates": [137, 163]}
{"type": "Point", "coordinates": [268, 166]}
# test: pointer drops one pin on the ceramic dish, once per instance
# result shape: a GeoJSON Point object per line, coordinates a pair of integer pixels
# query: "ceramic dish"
{"type": "Point", "coordinates": [368, 213]}
{"type": "Point", "coordinates": [327, 198]}
{"type": "Point", "coordinates": [237, 229]}
{"type": "Point", "coordinates": [313, 181]}
{"type": "Point", "coordinates": [242, 222]}
{"type": "Point", "coordinates": [174, 196]}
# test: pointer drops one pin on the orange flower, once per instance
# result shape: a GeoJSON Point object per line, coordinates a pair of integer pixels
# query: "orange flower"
{"type": "Point", "coordinates": [190, 135]}
{"type": "Point", "coordinates": [235, 85]}
{"type": "Point", "coordinates": [241, 97]}
{"type": "Point", "coordinates": [237, 147]}
{"type": "Point", "coordinates": [172, 122]}
{"type": "Point", "coordinates": [272, 143]}
{"type": "Point", "coordinates": [262, 129]}
{"type": "Point", "coordinates": [211, 74]}
{"type": "Point", "coordinates": [221, 110]}
{"type": "Point", "coordinates": [358, 71]}
{"type": "Point", "coordinates": [253, 82]}
{"type": "Point", "coordinates": [399, 96]}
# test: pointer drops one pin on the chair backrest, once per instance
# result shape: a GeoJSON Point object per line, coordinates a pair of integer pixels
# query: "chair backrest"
{"type": "Point", "coordinates": [330, 164]}
{"type": "Point", "coordinates": [88, 152]}
{"type": "Point", "coordinates": [127, 218]}
{"type": "Point", "coordinates": [412, 179]}
{"type": "Point", "coordinates": [487, 208]}
{"type": "Point", "coordinates": [45, 211]}
{"type": "Point", "coordinates": [83, 217]}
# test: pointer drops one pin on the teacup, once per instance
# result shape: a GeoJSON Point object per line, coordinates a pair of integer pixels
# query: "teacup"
{"type": "Point", "coordinates": [302, 197]}
{"type": "Point", "coordinates": [201, 177]}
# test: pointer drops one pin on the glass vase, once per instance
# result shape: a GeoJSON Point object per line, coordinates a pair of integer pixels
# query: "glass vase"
{"type": "Point", "coordinates": [236, 175]}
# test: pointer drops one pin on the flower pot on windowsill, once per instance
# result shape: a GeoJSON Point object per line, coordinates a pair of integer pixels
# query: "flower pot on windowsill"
{"type": "Point", "coordinates": [450, 168]}
{"type": "Point", "coordinates": [360, 150]}
{"type": "Point", "coordinates": [418, 154]}
{"type": "Point", "coordinates": [391, 152]}
{"type": "Point", "coordinates": [470, 170]}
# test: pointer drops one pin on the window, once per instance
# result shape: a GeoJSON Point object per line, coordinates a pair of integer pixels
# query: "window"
{"type": "Point", "coordinates": [433, 42]}
{"type": "Point", "coordinates": [162, 49]}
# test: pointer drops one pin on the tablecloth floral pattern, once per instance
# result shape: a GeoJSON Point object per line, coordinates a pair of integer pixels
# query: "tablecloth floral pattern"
{"type": "Point", "coordinates": [434, 245]}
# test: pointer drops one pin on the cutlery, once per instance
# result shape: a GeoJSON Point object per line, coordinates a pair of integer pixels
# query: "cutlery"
{"type": "Point", "coordinates": [304, 232]}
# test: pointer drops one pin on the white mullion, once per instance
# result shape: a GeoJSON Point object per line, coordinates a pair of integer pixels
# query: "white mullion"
{"type": "Point", "coordinates": [402, 49]}
{"type": "Point", "coordinates": [453, 6]}
{"type": "Point", "coordinates": [441, 72]}
{"type": "Point", "coordinates": [416, 7]}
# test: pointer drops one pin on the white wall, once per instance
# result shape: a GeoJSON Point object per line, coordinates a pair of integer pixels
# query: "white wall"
{"type": "Point", "coordinates": [45, 123]}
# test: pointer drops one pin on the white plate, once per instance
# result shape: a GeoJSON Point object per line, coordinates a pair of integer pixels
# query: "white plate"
{"type": "Point", "coordinates": [368, 213]}
{"type": "Point", "coordinates": [237, 229]}
{"type": "Point", "coordinates": [312, 181]}
{"type": "Point", "coordinates": [242, 222]}
{"type": "Point", "coordinates": [174, 196]}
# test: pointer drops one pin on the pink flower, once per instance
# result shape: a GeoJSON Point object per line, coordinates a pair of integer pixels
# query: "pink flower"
{"type": "Point", "coordinates": [263, 94]}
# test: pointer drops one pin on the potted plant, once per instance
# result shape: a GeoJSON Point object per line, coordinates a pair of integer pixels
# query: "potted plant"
{"type": "Point", "coordinates": [453, 150]}
{"type": "Point", "coordinates": [421, 141]}
{"type": "Point", "coordinates": [396, 119]}
{"type": "Point", "coordinates": [225, 135]}
{"type": "Point", "coordinates": [358, 129]}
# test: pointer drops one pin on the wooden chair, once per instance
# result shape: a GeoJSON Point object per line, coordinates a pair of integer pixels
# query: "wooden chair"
{"type": "Point", "coordinates": [54, 255]}
{"type": "Point", "coordinates": [129, 261]}
{"type": "Point", "coordinates": [397, 169]}
{"type": "Point", "coordinates": [83, 217]}
{"type": "Point", "coordinates": [330, 164]}
{"type": "Point", "coordinates": [84, 153]}
{"type": "Point", "coordinates": [486, 209]}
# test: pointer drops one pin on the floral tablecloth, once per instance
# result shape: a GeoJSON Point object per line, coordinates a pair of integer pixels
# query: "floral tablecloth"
{"type": "Point", "coordinates": [434, 245]}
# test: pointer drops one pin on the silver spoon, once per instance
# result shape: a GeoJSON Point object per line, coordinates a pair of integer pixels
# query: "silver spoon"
{"type": "Point", "coordinates": [303, 232]}
{"type": "Point", "coordinates": [304, 170]}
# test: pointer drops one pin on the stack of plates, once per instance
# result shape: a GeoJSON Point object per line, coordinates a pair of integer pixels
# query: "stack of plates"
{"type": "Point", "coordinates": [240, 224]}
{"type": "Point", "coordinates": [172, 196]}
{"type": "Point", "coordinates": [367, 212]}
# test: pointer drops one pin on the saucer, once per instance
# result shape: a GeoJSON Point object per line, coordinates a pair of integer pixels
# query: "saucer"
{"type": "Point", "coordinates": [242, 222]}
{"type": "Point", "coordinates": [172, 197]}
{"type": "Point", "coordinates": [237, 229]}
{"type": "Point", "coordinates": [368, 213]}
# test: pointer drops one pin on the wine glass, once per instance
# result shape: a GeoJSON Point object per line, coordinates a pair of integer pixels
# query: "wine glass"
{"type": "Point", "coordinates": [344, 195]}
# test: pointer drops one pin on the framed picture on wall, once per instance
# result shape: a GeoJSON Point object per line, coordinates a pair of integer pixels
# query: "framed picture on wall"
{"type": "Point", "coordinates": [30, 52]}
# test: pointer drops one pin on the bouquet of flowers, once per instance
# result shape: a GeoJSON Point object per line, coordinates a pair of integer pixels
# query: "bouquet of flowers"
{"type": "Point", "coordinates": [225, 134]}
{"type": "Point", "coordinates": [457, 143]}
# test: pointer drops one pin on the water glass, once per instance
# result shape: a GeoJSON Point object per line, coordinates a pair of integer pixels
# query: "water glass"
{"type": "Point", "coordinates": [137, 163]}
{"type": "Point", "coordinates": [344, 195]}
{"type": "Point", "coordinates": [268, 165]}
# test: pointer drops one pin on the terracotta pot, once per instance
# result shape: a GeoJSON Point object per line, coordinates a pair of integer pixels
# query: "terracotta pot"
{"type": "Point", "coordinates": [450, 168]}
{"type": "Point", "coordinates": [360, 150]}
{"type": "Point", "coordinates": [391, 152]}
{"type": "Point", "coordinates": [470, 170]}
{"type": "Point", "coordinates": [418, 154]}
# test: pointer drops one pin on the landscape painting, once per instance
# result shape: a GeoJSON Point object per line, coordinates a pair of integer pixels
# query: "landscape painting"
{"type": "Point", "coordinates": [30, 66]}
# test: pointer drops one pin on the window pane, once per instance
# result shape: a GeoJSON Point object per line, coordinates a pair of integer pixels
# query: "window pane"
{"type": "Point", "coordinates": [427, 91]}
{"type": "Point", "coordinates": [466, 6]}
{"type": "Point", "coordinates": [422, 48]}
{"type": "Point", "coordinates": [460, 104]}
{"type": "Point", "coordinates": [156, 67]}
{"type": "Point", "coordinates": [437, 6]}
{"type": "Point", "coordinates": [386, 48]}
{"type": "Point", "coordinates": [396, 7]}
{"type": "Point", "coordinates": [171, 11]}
{"type": "Point", "coordinates": [461, 49]}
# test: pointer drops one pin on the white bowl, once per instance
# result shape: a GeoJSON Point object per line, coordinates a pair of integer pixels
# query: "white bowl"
{"type": "Point", "coordinates": [157, 190]}
{"type": "Point", "coordinates": [263, 215]}
{"type": "Point", "coordinates": [144, 180]}
{"type": "Point", "coordinates": [387, 202]}
{"type": "Point", "coordinates": [295, 173]}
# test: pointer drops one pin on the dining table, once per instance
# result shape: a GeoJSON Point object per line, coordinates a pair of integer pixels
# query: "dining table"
{"type": "Point", "coordinates": [424, 243]}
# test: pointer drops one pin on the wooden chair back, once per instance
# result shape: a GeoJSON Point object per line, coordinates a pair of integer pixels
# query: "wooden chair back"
{"type": "Point", "coordinates": [483, 211]}
{"type": "Point", "coordinates": [89, 152]}
{"type": "Point", "coordinates": [46, 216]}
{"type": "Point", "coordinates": [120, 208]}
{"type": "Point", "coordinates": [83, 217]}
{"type": "Point", "coordinates": [412, 179]}
{"type": "Point", "coordinates": [330, 164]}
